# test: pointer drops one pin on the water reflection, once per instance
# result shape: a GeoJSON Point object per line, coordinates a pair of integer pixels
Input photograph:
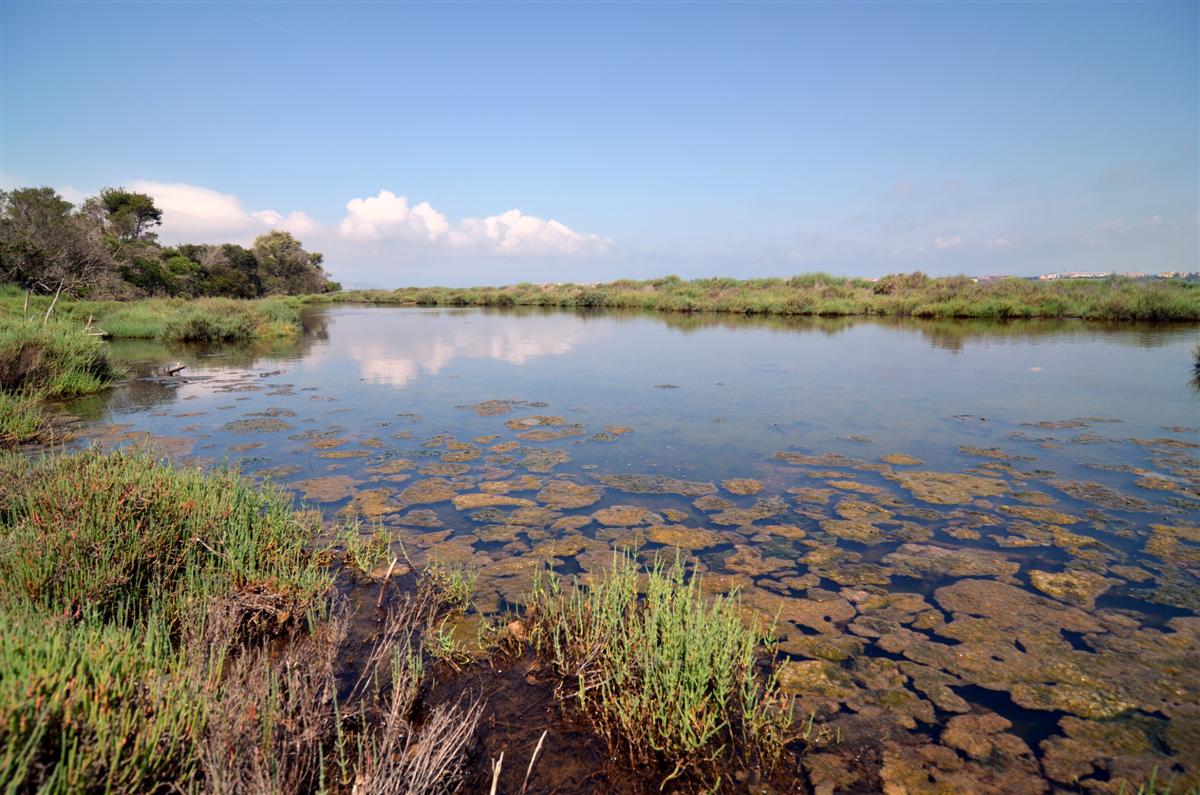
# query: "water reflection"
{"type": "Point", "coordinates": [425, 342]}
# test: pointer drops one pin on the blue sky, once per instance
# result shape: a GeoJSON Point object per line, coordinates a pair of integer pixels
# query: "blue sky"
{"type": "Point", "coordinates": [631, 139]}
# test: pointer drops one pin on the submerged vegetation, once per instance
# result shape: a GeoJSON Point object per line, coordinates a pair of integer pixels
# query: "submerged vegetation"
{"type": "Point", "coordinates": [672, 680]}
{"type": "Point", "coordinates": [898, 295]}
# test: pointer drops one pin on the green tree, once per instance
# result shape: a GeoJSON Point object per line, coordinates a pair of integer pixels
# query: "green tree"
{"type": "Point", "coordinates": [285, 267]}
{"type": "Point", "coordinates": [48, 247]}
{"type": "Point", "coordinates": [129, 215]}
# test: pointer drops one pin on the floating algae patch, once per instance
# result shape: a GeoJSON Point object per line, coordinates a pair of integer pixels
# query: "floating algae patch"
{"type": "Point", "coordinates": [1040, 514]}
{"type": "Point", "coordinates": [656, 484]}
{"type": "Point", "coordinates": [536, 421]}
{"type": "Point", "coordinates": [244, 447]}
{"type": "Point", "coordinates": [987, 452]}
{"type": "Point", "coordinates": [901, 459]}
{"type": "Point", "coordinates": [565, 494]}
{"type": "Point", "coordinates": [458, 452]}
{"type": "Point", "coordinates": [552, 434]}
{"type": "Point", "coordinates": [341, 454]}
{"type": "Point", "coordinates": [1119, 753]}
{"type": "Point", "coordinates": [762, 509]}
{"type": "Point", "coordinates": [371, 503]}
{"type": "Point", "coordinates": [422, 517]}
{"type": "Point", "coordinates": [393, 466]}
{"type": "Point", "coordinates": [1077, 586]}
{"type": "Point", "coordinates": [625, 516]}
{"type": "Point", "coordinates": [927, 561]}
{"type": "Point", "coordinates": [857, 530]}
{"type": "Point", "coordinates": [823, 460]}
{"type": "Point", "coordinates": [272, 411]}
{"type": "Point", "coordinates": [945, 488]}
{"type": "Point", "coordinates": [466, 502]}
{"type": "Point", "coordinates": [711, 502]}
{"type": "Point", "coordinates": [742, 486]}
{"type": "Point", "coordinates": [261, 425]}
{"type": "Point", "coordinates": [327, 489]}
{"type": "Point", "coordinates": [1102, 496]}
{"type": "Point", "coordinates": [493, 408]}
{"type": "Point", "coordinates": [543, 460]}
{"type": "Point", "coordinates": [445, 470]}
{"type": "Point", "coordinates": [431, 490]}
{"type": "Point", "coordinates": [522, 483]}
{"type": "Point", "coordinates": [681, 537]}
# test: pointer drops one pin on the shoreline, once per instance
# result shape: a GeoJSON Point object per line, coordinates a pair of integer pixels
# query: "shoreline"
{"type": "Point", "coordinates": [819, 295]}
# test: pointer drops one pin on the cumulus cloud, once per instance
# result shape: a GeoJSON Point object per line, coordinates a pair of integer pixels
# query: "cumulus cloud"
{"type": "Point", "coordinates": [383, 225]}
{"type": "Point", "coordinates": [998, 242]}
{"type": "Point", "coordinates": [943, 243]}
{"type": "Point", "coordinates": [514, 232]}
{"type": "Point", "coordinates": [387, 216]}
{"type": "Point", "coordinates": [196, 214]}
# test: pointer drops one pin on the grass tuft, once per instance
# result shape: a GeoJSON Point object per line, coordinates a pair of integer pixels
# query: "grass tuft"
{"type": "Point", "coordinates": [673, 680]}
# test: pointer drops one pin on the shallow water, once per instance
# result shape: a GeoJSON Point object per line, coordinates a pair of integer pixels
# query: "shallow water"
{"type": "Point", "coordinates": [1010, 605]}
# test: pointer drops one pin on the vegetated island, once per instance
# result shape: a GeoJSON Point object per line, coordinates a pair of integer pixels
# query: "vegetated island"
{"type": "Point", "coordinates": [1114, 298]}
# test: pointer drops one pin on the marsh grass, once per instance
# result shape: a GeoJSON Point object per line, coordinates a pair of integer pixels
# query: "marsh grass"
{"type": "Point", "coordinates": [52, 360]}
{"type": "Point", "coordinates": [898, 295]}
{"type": "Point", "coordinates": [170, 319]}
{"type": "Point", "coordinates": [455, 583]}
{"type": "Point", "coordinates": [167, 629]}
{"type": "Point", "coordinates": [673, 679]}
{"type": "Point", "coordinates": [42, 361]}
{"type": "Point", "coordinates": [364, 552]}
{"type": "Point", "coordinates": [21, 420]}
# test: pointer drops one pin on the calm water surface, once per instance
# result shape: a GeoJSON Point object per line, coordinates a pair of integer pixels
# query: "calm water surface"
{"type": "Point", "coordinates": [1009, 605]}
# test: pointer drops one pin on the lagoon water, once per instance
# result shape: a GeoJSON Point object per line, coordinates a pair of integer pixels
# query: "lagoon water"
{"type": "Point", "coordinates": [981, 541]}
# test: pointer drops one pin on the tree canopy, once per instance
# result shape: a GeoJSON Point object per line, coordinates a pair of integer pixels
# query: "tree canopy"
{"type": "Point", "coordinates": [107, 248]}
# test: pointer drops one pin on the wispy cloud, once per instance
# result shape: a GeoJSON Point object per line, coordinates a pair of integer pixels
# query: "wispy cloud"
{"type": "Point", "coordinates": [943, 243]}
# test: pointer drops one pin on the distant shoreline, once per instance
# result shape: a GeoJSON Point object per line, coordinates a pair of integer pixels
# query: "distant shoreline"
{"type": "Point", "coordinates": [1113, 298]}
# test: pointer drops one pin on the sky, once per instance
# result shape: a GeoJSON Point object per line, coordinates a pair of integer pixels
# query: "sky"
{"type": "Point", "coordinates": [490, 143]}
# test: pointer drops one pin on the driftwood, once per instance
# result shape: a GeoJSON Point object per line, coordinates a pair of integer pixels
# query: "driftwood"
{"type": "Point", "coordinates": [94, 332]}
{"type": "Point", "coordinates": [386, 578]}
{"type": "Point", "coordinates": [176, 369]}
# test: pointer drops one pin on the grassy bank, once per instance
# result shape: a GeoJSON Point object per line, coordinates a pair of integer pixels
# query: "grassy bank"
{"type": "Point", "coordinates": [170, 319]}
{"type": "Point", "coordinates": [168, 629]}
{"type": "Point", "coordinates": [903, 295]}
{"type": "Point", "coordinates": [41, 361]}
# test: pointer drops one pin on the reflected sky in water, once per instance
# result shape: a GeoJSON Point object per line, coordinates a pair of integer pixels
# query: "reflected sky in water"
{"type": "Point", "coordinates": [742, 388]}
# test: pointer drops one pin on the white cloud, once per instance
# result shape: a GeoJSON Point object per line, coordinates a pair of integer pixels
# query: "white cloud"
{"type": "Point", "coordinates": [387, 216]}
{"type": "Point", "coordinates": [943, 243]}
{"type": "Point", "coordinates": [383, 225]}
{"type": "Point", "coordinates": [998, 242]}
{"type": "Point", "coordinates": [196, 214]}
{"type": "Point", "coordinates": [514, 232]}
